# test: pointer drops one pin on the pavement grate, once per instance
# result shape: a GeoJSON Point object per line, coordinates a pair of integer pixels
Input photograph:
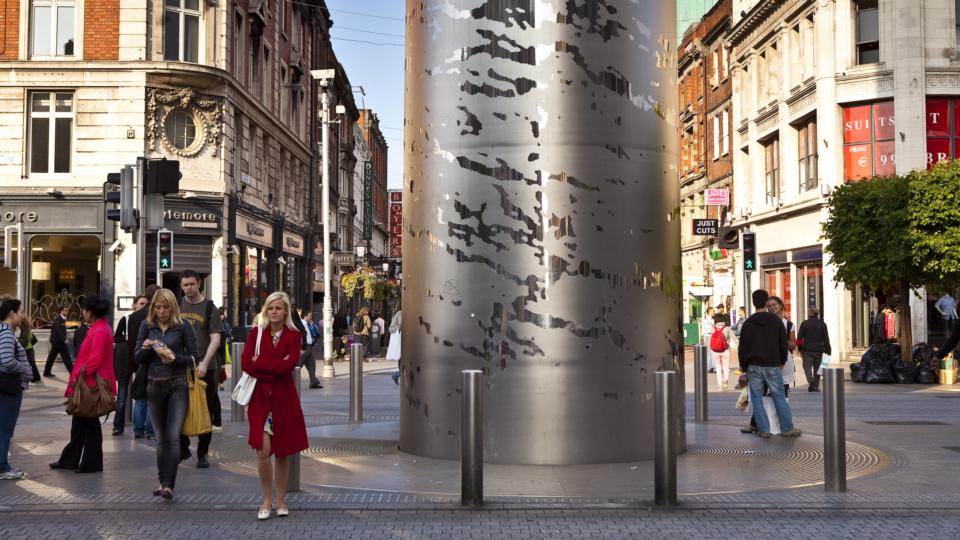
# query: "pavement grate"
{"type": "Point", "coordinates": [905, 423]}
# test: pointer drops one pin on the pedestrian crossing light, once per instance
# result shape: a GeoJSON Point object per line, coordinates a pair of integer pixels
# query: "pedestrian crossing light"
{"type": "Point", "coordinates": [164, 250]}
{"type": "Point", "coordinates": [749, 251]}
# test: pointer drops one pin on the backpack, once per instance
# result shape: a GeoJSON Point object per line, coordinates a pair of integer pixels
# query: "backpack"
{"type": "Point", "coordinates": [718, 342]}
{"type": "Point", "coordinates": [358, 324]}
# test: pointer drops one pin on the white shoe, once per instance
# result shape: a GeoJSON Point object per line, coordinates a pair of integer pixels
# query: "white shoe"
{"type": "Point", "coordinates": [283, 511]}
{"type": "Point", "coordinates": [12, 474]}
{"type": "Point", "coordinates": [263, 515]}
{"type": "Point", "coordinates": [217, 429]}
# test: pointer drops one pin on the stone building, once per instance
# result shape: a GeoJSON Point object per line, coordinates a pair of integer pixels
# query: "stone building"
{"type": "Point", "coordinates": [222, 87]}
{"type": "Point", "coordinates": [829, 92]}
{"type": "Point", "coordinates": [375, 232]}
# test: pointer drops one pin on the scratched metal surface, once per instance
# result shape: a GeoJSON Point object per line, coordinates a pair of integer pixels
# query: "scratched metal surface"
{"type": "Point", "coordinates": [541, 238]}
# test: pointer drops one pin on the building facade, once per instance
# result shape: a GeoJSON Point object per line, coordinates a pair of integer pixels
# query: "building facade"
{"type": "Point", "coordinates": [705, 160]}
{"type": "Point", "coordinates": [832, 92]}
{"type": "Point", "coordinates": [375, 231]}
{"type": "Point", "coordinates": [223, 87]}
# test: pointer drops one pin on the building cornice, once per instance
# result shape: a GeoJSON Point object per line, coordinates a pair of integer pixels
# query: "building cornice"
{"type": "Point", "coordinates": [753, 19]}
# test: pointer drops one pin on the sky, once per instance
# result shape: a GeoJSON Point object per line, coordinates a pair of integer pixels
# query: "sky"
{"type": "Point", "coordinates": [360, 30]}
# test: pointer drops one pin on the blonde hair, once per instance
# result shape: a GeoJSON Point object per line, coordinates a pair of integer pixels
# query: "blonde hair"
{"type": "Point", "coordinates": [165, 296]}
{"type": "Point", "coordinates": [263, 320]}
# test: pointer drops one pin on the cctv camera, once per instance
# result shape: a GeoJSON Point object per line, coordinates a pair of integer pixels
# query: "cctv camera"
{"type": "Point", "coordinates": [116, 247]}
{"type": "Point", "coordinates": [341, 109]}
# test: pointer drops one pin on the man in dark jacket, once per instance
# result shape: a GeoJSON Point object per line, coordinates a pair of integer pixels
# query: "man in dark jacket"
{"type": "Point", "coordinates": [59, 344]}
{"type": "Point", "coordinates": [763, 352]}
{"type": "Point", "coordinates": [813, 340]}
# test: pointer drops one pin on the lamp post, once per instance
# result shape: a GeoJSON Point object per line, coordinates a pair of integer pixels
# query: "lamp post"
{"type": "Point", "coordinates": [324, 78]}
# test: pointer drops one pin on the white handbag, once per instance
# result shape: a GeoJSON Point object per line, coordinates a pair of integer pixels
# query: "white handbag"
{"type": "Point", "coordinates": [243, 390]}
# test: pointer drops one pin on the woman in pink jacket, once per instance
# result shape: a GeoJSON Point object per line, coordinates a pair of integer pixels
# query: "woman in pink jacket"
{"type": "Point", "coordinates": [84, 452]}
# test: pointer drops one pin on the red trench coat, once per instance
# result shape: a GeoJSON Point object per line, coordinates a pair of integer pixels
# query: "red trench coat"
{"type": "Point", "coordinates": [275, 392]}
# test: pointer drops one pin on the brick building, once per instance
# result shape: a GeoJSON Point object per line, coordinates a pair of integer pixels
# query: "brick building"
{"type": "Point", "coordinates": [377, 144]}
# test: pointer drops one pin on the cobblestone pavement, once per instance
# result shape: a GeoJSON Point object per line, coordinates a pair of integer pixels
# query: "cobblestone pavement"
{"type": "Point", "coordinates": [486, 524]}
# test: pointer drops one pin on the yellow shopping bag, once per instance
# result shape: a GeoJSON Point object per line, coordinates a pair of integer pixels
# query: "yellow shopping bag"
{"type": "Point", "coordinates": [198, 416]}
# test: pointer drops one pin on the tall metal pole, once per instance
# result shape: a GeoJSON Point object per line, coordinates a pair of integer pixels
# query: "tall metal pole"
{"type": "Point", "coordinates": [356, 382]}
{"type": "Point", "coordinates": [665, 456]}
{"type": "Point", "coordinates": [700, 381]}
{"type": "Point", "coordinates": [293, 465]}
{"type": "Point", "coordinates": [236, 352]}
{"type": "Point", "coordinates": [328, 370]}
{"type": "Point", "coordinates": [834, 431]}
{"type": "Point", "coordinates": [471, 438]}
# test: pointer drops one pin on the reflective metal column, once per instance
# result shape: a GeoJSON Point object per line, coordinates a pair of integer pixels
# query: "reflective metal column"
{"type": "Point", "coordinates": [834, 431]}
{"type": "Point", "coordinates": [541, 225]}
{"type": "Point", "coordinates": [356, 382]}
{"type": "Point", "coordinates": [700, 382]}
{"type": "Point", "coordinates": [665, 460]}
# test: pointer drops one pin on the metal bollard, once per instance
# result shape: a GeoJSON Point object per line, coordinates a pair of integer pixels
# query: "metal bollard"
{"type": "Point", "coordinates": [237, 412]}
{"type": "Point", "coordinates": [471, 438]}
{"type": "Point", "coordinates": [356, 382]}
{"type": "Point", "coordinates": [293, 463]}
{"type": "Point", "coordinates": [665, 456]}
{"type": "Point", "coordinates": [700, 382]}
{"type": "Point", "coordinates": [834, 431]}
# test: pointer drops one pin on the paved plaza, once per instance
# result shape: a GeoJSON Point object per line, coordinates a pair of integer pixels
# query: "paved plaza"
{"type": "Point", "coordinates": [903, 444]}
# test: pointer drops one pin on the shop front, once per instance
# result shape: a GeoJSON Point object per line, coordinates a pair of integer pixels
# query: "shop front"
{"type": "Point", "coordinates": [292, 272]}
{"type": "Point", "coordinates": [254, 273]}
{"type": "Point", "coordinates": [64, 243]}
{"type": "Point", "coordinates": [196, 226]}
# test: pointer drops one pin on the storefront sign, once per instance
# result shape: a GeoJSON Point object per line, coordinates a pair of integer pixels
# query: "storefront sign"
{"type": "Point", "coordinates": [368, 200]}
{"type": "Point", "coordinates": [187, 217]}
{"type": "Point", "coordinates": [293, 243]}
{"type": "Point", "coordinates": [705, 227]}
{"type": "Point", "coordinates": [396, 224]}
{"type": "Point", "coordinates": [943, 132]}
{"type": "Point", "coordinates": [717, 197]}
{"type": "Point", "coordinates": [256, 232]}
{"type": "Point", "coordinates": [868, 138]}
{"type": "Point", "coordinates": [344, 258]}
{"type": "Point", "coordinates": [53, 216]}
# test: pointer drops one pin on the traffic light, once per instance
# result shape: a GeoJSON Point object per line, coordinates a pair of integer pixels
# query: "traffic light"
{"type": "Point", "coordinates": [126, 214]}
{"type": "Point", "coordinates": [162, 176]}
{"type": "Point", "coordinates": [728, 238]}
{"type": "Point", "coordinates": [164, 250]}
{"type": "Point", "coordinates": [749, 251]}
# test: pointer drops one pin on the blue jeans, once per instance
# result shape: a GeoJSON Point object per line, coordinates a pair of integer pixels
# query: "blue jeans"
{"type": "Point", "coordinates": [9, 412]}
{"type": "Point", "coordinates": [769, 377]}
{"type": "Point", "coordinates": [141, 418]}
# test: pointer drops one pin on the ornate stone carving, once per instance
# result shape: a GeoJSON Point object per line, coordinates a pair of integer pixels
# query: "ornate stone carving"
{"type": "Point", "coordinates": [206, 112]}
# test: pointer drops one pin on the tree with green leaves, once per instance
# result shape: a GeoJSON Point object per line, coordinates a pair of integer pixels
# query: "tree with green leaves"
{"type": "Point", "coordinates": [869, 242]}
{"type": "Point", "coordinates": [934, 223]}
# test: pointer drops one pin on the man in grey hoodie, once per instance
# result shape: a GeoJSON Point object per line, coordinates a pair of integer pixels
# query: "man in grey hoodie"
{"type": "Point", "coordinates": [763, 348]}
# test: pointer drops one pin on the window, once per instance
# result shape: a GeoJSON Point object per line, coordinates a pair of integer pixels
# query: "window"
{"type": "Point", "coordinates": [715, 61]}
{"type": "Point", "coordinates": [181, 30]}
{"type": "Point", "coordinates": [181, 129]}
{"type": "Point", "coordinates": [267, 78]}
{"type": "Point", "coordinates": [725, 132]}
{"type": "Point", "coordinates": [63, 270]}
{"type": "Point", "coordinates": [771, 149]}
{"type": "Point", "coordinates": [868, 31]}
{"type": "Point", "coordinates": [956, 22]}
{"type": "Point", "coordinates": [724, 62]}
{"type": "Point", "coordinates": [807, 152]}
{"type": "Point", "coordinates": [239, 36]}
{"type": "Point", "coordinates": [868, 140]}
{"type": "Point", "coordinates": [716, 137]}
{"type": "Point", "coordinates": [255, 65]}
{"type": "Point", "coordinates": [284, 99]}
{"type": "Point", "coordinates": [52, 28]}
{"type": "Point", "coordinates": [50, 132]}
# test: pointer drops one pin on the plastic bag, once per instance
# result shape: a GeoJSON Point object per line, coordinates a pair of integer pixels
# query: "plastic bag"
{"type": "Point", "coordinates": [925, 376]}
{"type": "Point", "coordinates": [856, 373]}
{"type": "Point", "coordinates": [824, 363]}
{"type": "Point", "coordinates": [905, 372]}
{"type": "Point", "coordinates": [878, 373]}
{"type": "Point", "coordinates": [743, 400]}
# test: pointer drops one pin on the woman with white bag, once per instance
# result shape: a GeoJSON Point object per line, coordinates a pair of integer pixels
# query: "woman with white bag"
{"type": "Point", "coordinates": [277, 427]}
{"type": "Point", "coordinates": [393, 348]}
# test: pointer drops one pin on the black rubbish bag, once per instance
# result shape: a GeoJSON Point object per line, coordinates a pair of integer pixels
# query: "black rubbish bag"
{"type": "Point", "coordinates": [905, 372]}
{"type": "Point", "coordinates": [926, 376]}
{"type": "Point", "coordinates": [890, 352]}
{"type": "Point", "coordinates": [877, 373]}
{"type": "Point", "coordinates": [856, 373]}
{"type": "Point", "coordinates": [924, 359]}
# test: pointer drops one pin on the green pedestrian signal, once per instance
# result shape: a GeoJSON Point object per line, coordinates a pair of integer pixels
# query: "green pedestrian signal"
{"type": "Point", "coordinates": [164, 250]}
{"type": "Point", "coordinates": [749, 240]}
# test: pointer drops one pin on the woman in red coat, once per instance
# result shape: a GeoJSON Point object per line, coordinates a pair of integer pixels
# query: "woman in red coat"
{"type": "Point", "coordinates": [276, 419]}
{"type": "Point", "coordinates": [84, 452]}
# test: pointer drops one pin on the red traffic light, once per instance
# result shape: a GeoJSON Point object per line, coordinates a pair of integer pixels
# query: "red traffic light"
{"type": "Point", "coordinates": [165, 238]}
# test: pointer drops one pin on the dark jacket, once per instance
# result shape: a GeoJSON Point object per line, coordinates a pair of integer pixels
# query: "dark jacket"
{"type": "Point", "coordinates": [134, 320]}
{"type": "Point", "coordinates": [814, 336]}
{"type": "Point", "coordinates": [58, 334]}
{"type": "Point", "coordinates": [79, 335]}
{"type": "Point", "coordinates": [763, 341]}
{"type": "Point", "coordinates": [303, 331]}
{"type": "Point", "coordinates": [180, 339]}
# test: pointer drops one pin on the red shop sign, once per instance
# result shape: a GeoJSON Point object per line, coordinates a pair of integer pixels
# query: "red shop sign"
{"type": "Point", "coordinates": [938, 121]}
{"type": "Point", "coordinates": [937, 151]}
{"type": "Point", "coordinates": [885, 158]}
{"type": "Point", "coordinates": [856, 124]}
{"type": "Point", "coordinates": [883, 121]}
{"type": "Point", "coordinates": [857, 162]}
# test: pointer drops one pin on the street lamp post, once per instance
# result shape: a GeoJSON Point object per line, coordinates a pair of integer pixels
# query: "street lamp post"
{"type": "Point", "coordinates": [325, 77]}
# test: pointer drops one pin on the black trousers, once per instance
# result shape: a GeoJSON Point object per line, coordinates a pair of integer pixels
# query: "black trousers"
{"type": "Point", "coordinates": [32, 358]}
{"type": "Point", "coordinates": [64, 353]}
{"type": "Point", "coordinates": [216, 418]}
{"type": "Point", "coordinates": [307, 360]}
{"type": "Point", "coordinates": [85, 449]}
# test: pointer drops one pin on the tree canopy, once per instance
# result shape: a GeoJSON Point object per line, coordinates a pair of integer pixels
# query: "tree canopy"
{"type": "Point", "coordinates": [934, 223]}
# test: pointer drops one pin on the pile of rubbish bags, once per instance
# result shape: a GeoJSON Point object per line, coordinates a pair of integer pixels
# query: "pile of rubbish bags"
{"type": "Point", "coordinates": [882, 364]}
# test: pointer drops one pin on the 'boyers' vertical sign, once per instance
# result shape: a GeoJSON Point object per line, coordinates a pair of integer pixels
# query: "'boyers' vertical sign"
{"type": "Point", "coordinates": [368, 200]}
{"type": "Point", "coordinates": [396, 224]}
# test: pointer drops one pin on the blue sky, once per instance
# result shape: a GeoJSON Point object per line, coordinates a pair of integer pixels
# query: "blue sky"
{"type": "Point", "coordinates": [377, 68]}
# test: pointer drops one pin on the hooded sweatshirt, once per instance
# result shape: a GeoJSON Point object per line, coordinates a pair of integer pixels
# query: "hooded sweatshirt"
{"type": "Point", "coordinates": [763, 341]}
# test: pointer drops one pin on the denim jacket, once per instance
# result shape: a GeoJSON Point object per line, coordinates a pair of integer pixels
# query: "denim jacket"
{"type": "Point", "coordinates": [181, 340]}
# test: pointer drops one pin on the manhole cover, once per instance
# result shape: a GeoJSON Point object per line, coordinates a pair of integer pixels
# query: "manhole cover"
{"type": "Point", "coordinates": [904, 423]}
